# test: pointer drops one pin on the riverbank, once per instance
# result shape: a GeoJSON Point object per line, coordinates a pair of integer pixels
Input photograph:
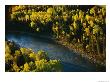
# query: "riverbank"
{"type": "Point", "coordinates": [92, 57]}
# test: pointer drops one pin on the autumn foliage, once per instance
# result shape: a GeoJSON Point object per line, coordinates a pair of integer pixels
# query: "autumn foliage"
{"type": "Point", "coordinates": [18, 59]}
{"type": "Point", "coordinates": [73, 26]}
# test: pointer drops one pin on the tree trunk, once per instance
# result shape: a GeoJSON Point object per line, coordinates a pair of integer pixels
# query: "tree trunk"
{"type": "Point", "coordinates": [97, 44]}
{"type": "Point", "coordinates": [104, 45]}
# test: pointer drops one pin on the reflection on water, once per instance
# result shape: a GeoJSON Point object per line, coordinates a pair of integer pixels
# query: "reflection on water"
{"type": "Point", "coordinates": [70, 60]}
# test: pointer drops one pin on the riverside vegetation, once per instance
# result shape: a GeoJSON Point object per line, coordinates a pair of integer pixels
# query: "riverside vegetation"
{"type": "Point", "coordinates": [79, 28]}
{"type": "Point", "coordinates": [19, 59]}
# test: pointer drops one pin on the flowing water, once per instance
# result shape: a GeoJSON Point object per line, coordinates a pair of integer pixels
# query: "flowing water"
{"type": "Point", "coordinates": [70, 60]}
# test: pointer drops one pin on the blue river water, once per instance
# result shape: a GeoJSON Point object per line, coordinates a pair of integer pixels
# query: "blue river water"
{"type": "Point", "coordinates": [71, 61]}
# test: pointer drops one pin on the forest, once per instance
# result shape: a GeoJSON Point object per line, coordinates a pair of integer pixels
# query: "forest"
{"type": "Point", "coordinates": [25, 60]}
{"type": "Point", "coordinates": [80, 28]}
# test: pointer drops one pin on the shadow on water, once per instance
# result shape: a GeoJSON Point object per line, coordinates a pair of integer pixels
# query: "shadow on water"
{"type": "Point", "coordinates": [75, 68]}
{"type": "Point", "coordinates": [71, 61]}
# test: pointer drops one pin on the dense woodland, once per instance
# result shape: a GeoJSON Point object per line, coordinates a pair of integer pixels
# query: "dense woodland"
{"type": "Point", "coordinates": [19, 59]}
{"type": "Point", "coordinates": [79, 28]}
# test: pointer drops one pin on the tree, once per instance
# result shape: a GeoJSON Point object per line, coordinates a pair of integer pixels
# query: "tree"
{"type": "Point", "coordinates": [26, 67]}
{"type": "Point", "coordinates": [50, 11]}
{"type": "Point", "coordinates": [16, 68]}
{"type": "Point", "coordinates": [41, 55]}
{"type": "Point", "coordinates": [32, 56]}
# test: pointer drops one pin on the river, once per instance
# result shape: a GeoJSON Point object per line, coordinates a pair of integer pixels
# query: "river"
{"type": "Point", "coordinates": [71, 61]}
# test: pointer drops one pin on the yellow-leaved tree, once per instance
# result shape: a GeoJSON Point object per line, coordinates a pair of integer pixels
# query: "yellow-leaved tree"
{"type": "Point", "coordinates": [26, 67]}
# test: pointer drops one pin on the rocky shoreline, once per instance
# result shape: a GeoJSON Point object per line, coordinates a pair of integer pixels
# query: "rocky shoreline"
{"type": "Point", "coordinates": [97, 59]}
